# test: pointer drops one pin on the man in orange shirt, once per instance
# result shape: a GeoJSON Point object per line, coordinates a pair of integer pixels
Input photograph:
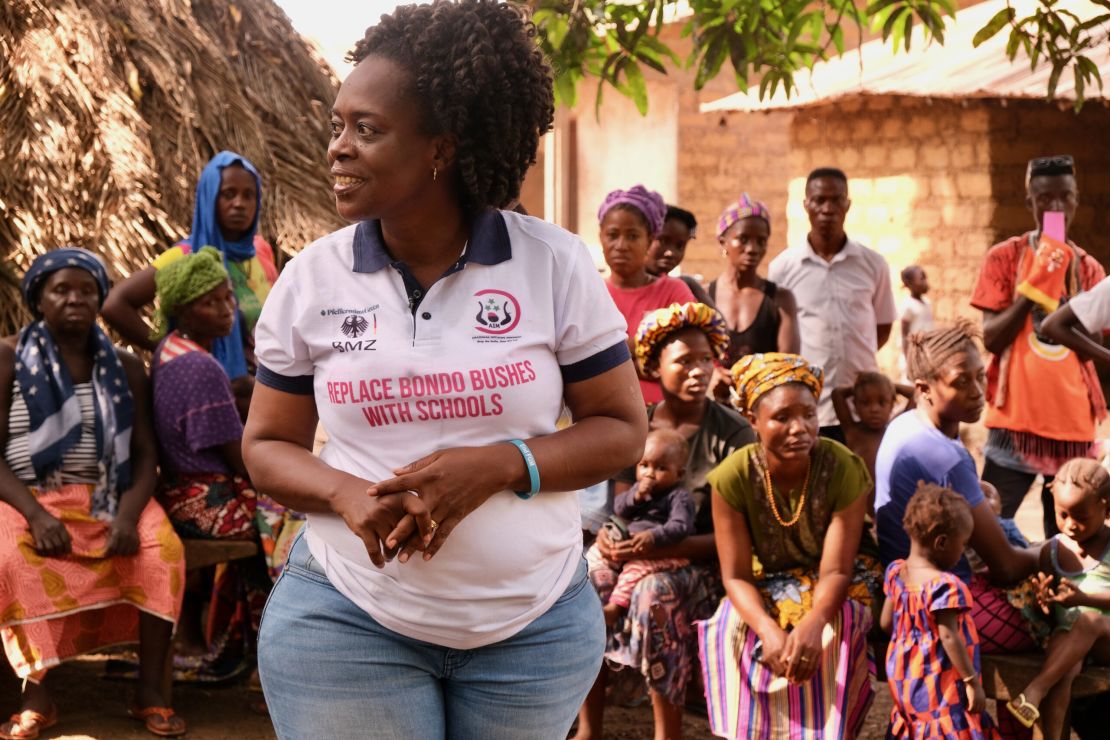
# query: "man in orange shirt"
{"type": "Point", "coordinates": [1043, 400]}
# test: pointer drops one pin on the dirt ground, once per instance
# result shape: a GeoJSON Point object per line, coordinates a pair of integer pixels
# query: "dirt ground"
{"type": "Point", "coordinates": [92, 707]}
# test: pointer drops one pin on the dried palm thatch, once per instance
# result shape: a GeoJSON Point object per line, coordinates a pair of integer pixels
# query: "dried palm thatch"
{"type": "Point", "coordinates": [109, 110]}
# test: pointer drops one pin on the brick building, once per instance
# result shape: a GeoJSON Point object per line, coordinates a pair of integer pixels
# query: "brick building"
{"type": "Point", "coordinates": [936, 161]}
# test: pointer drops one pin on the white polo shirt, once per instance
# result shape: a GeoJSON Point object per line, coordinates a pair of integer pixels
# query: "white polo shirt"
{"type": "Point", "coordinates": [1092, 307]}
{"type": "Point", "coordinates": [839, 304]}
{"type": "Point", "coordinates": [481, 358]}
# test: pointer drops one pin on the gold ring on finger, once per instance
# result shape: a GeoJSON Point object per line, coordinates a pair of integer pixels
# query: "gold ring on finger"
{"type": "Point", "coordinates": [433, 525]}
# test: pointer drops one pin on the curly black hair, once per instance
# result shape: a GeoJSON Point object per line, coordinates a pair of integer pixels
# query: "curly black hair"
{"type": "Point", "coordinates": [934, 510]}
{"type": "Point", "coordinates": [479, 74]}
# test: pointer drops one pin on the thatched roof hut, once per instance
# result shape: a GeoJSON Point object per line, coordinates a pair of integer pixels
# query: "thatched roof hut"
{"type": "Point", "coordinates": [109, 110]}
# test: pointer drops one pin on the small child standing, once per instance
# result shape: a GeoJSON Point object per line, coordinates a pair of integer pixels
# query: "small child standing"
{"type": "Point", "coordinates": [872, 395]}
{"type": "Point", "coordinates": [916, 311]}
{"type": "Point", "coordinates": [1077, 591]}
{"type": "Point", "coordinates": [932, 663]}
{"type": "Point", "coordinates": [656, 511]}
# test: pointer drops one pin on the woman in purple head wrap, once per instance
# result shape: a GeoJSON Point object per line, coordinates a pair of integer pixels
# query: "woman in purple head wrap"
{"type": "Point", "coordinates": [630, 219]}
{"type": "Point", "coordinates": [761, 316]}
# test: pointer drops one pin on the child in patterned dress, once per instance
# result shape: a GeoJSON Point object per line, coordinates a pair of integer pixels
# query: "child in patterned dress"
{"type": "Point", "coordinates": [932, 663]}
{"type": "Point", "coordinates": [1075, 586]}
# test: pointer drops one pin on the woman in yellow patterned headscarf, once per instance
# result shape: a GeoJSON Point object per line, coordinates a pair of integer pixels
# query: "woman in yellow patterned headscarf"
{"type": "Point", "coordinates": [756, 375]}
{"type": "Point", "coordinates": [678, 346]}
{"type": "Point", "coordinates": [788, 512]}
{"type": "Point", "coordinates": [662, 323]}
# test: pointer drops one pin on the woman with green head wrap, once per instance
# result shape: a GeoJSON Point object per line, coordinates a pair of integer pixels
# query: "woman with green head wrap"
{"type": "Point", "coordinates": [204, 485]}
{"type": "Point", "coordinates": [196, 289]}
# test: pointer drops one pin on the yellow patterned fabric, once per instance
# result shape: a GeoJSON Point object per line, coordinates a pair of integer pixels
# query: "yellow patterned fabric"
{"type": "Point", "coordinates": [757, 375]}
{"type": "Point", "coordinates": [663, 322]}
{"type": "Point", "coordinates": [53, 609]}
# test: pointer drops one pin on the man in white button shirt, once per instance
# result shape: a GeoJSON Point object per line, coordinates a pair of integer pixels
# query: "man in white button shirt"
{"type": "Point", "coordinates": [845, 304]}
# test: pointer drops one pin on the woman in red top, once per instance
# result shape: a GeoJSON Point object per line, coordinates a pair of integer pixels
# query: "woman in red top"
{"type": "Point", "coordinates": [629, 220]}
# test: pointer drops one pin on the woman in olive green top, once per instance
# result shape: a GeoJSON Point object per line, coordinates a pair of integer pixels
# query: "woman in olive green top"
{"type": "Point", "coordinates": [786, 652]}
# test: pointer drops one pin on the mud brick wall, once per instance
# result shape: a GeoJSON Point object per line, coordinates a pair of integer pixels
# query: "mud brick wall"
{"type": "Point", "coordinates": [932, 182]}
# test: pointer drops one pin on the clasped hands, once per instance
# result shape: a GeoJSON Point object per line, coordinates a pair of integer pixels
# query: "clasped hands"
{"type": "Point", "coordinates": [52, 539]}
{"type": "Point", "coordinates": [794, 655]}
{"type": "Point", "coordinates": [419, 508]}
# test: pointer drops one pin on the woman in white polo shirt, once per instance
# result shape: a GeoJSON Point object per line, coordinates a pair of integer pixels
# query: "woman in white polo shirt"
{"type": "Point", "coordinates": [437, 339]}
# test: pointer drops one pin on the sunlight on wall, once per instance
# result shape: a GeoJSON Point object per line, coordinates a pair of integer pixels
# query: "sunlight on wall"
{"type": "Point", "coordinates": [624, 149]}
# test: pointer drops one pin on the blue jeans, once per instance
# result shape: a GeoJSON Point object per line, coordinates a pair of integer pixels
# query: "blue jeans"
{"type": "Point", "coordinates": [331, 671]}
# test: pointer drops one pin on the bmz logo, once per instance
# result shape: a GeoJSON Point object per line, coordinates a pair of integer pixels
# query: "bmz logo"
{"type": "Point", "coordinates": [362, 345]}
{"type": "Point", "coordinates": [354, 326]}
{"type": "Point", "coordinates": [498, 312]}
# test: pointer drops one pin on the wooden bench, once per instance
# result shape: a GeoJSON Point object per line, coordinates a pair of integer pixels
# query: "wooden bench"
{"type": "Point", "coordinates": [1004, 676]}
{"type": "Point", "coordinates": [202, 553]}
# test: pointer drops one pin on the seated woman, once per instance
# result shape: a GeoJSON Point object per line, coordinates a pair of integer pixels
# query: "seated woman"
{"type": "Point", "coordinates": [676, 346]}
{"type": "Point", "coordinates": [629, 220]}
{"type": "Point", "coordinates": [924, 445]}
{"type": "Point", "coordinates": [786, 653]}
{"type": "Point", "coordinates": [226, 216]}
{"type": "Point", "coordinates": [204, 485]}
{"type": "Point", "coordinates": [87, 559]}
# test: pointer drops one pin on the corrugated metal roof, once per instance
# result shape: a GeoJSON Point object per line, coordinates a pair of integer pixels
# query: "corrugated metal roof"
{"type": "Point", "coordinates": [956, 69]}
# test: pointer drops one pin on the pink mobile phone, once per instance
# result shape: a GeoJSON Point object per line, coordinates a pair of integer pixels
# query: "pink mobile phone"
{"type": "Point", "coordinates": [1054, 225]}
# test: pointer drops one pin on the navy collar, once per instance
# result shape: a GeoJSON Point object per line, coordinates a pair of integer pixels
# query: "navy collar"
{"type": "Point", "coordinates": [488, 245]}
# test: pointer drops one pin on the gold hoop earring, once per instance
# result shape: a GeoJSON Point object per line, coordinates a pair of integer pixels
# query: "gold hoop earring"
{"type": "Point", "coordinates": [435, 173]}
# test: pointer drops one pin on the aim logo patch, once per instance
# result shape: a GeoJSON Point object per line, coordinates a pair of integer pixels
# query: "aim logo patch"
{"type": "Point", "coordinates": [498, 311]}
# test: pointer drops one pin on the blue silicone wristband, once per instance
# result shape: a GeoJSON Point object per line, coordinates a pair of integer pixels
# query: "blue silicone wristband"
{"type": "Point", "coordinates": [533, 470]}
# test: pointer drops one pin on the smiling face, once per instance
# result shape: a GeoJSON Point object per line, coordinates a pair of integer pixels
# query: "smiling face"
{"type": "Point", "coordinates": [625, 241]}
{"type": "Point", "coordinates": [381, 156]}
{"type": "Point", "coordinates": [786, 421]}
{"type": "Point", "coordinates": [69, 301]}
{"type": "Point", "coordinates": [210, 316]}
{"type": "Point", "coordinates": [745, 243]}
{"type": "Point", "coordinates": [1080, 513]}
{"type": "Point", "coordinates": [685, 365]}
{"type": "Point", "coordinates": [668, 248]}
{"type": "Point", "coordinates": [237, 202]}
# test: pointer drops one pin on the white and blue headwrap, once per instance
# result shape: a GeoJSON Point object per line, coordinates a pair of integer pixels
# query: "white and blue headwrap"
{"type": "Point", "coordinates": [47, 389]}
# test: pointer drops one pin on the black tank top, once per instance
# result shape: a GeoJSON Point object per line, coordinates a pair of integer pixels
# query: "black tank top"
{"type": "Point", "coordinates": [762, 335]}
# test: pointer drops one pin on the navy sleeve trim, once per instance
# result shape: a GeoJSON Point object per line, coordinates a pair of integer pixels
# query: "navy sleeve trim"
{"type": "Point", "coordinates": [591, 367]}
{"type": "Point", "coordinates": [301, 385]}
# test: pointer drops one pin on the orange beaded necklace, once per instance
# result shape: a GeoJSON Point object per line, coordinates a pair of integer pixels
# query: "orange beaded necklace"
{"type": "Point", "coordinates": [769, 484]}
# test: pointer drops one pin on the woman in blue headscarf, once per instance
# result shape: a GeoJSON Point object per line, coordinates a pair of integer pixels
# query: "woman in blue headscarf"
{"type": "Point", "coordinates": [225, 216]}
{"type": "Point", "coordinates": [87, 559]}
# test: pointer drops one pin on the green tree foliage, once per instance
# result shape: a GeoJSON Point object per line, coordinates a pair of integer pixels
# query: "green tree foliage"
{"type": "Point", "coordinates": [768, 42]}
